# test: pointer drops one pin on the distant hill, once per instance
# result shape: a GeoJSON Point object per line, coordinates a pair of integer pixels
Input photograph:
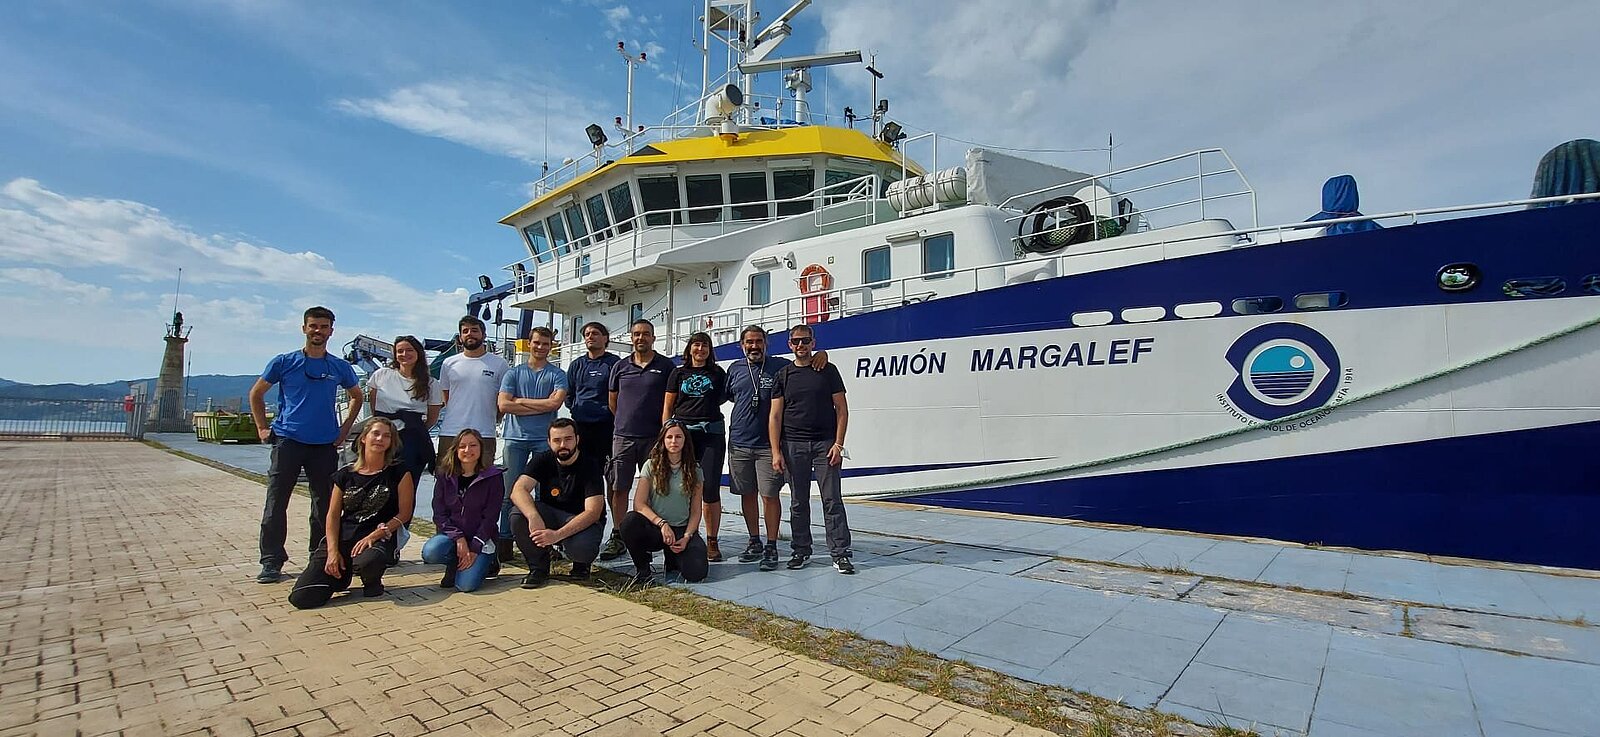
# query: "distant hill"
{"type": "Point", "coordinates": [222, 390]}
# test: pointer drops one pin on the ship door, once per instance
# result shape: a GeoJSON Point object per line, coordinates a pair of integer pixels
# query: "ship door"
{"type": "Point", "coordinates": [815, 283]}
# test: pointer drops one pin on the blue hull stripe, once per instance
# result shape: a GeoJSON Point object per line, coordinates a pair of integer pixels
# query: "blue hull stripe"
{"type": "Point", "coordinates": [1394, 267]}
{"type": "Point", "coordinates": [1527, 496]}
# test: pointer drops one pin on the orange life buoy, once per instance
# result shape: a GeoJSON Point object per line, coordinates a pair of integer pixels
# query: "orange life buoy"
{"type": "Point", "coordinates": [815, 283]}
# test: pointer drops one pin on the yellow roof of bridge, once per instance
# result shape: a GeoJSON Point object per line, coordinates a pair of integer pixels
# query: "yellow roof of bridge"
{"type": "Point", "coordinates": [803, 140]}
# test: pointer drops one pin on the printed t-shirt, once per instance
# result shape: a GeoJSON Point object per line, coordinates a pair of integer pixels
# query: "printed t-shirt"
{"type": "Point", "coordinates": [586, 387]}
{"type": "Point", "coordinates": [641, 390]}
{"type": "Point", "coordinates": [750, 390]}
{"type": "Point", "coordinates": [526, 382]}
{"type": "Point", "coordinates": [308, 391]}
{"type": "Point", "coordinates": [474, 387]}
{"type": "Point", "coordinates": [566, 487]}
{"type": "Point", "coordinates": [674, 505]}
{"type": "Point", "coordinates": [808, 412]}
{"type": "Point", "coordinates": [394, 392]}
{"type": "Point", "coordinates": [368, 500]}
{"type": "Point", "coordinates": [700, 392]}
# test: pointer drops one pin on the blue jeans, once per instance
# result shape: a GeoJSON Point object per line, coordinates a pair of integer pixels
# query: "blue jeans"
{"type": "Point", "coordinates": [518, 453]}
{"type": "Point", "coordinates": [439, 549]}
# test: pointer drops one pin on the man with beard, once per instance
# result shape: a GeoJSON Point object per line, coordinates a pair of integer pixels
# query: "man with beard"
{"type": "Point", "coordinates": [637, 390]}
{"type": "Point", "coordinates": [754, 480]}
{"type": "Point", "coordinates": [305, 434]}
{"type": "Point", "coordinates": [471, 383]}
{"type": "Point", "coordinates": [570, 509]}
{"type": "Point", "coordinates": [587, 395]}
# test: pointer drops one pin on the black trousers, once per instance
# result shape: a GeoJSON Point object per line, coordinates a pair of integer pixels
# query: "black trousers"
{"type": "Point", "coordinates": [289, 458]}
{"type": "Point", "coordinates": [594, 439]}
{"type": "Point", "coordinates": [643, 538]}
{"type": "Point", "coordinates": [583, 547]}
{"type": "Point", "coordinates": [315, 587]}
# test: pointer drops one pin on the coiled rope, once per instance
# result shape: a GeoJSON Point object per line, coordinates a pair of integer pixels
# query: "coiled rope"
{"type": "Point", "coordinates": [1243, 428]}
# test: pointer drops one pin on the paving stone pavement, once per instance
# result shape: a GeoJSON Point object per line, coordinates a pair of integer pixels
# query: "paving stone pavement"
{"type": "Point", "coordinates": [129, 607]}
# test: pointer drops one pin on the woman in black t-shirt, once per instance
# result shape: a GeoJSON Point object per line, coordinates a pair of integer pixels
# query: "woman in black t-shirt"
{"type": "Point", "coordinates": [695, 393]}
{"type": "Point", "coordinates": [372, 499]}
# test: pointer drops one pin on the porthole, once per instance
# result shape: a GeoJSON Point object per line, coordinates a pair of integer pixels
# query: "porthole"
{"type": "Point", "coordinates": [1459, 277]}
{"type": "Point", "coordinates": [1143, 314]}
{"type": "Point", "coordinates": [1091, 319]}
{"type": "Point", "coordinates": [1198, 309]}
{"type": "Point", "coordinates": [1320, 300]}
{"type": "Point", "coordinates": [1257, 305]}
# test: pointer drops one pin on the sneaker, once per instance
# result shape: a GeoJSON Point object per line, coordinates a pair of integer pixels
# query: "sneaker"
{"type": "Point", "coordinates": [270, 574]}
{"type": "Point", "coordinates": [752, 552]}
{"type": "Point", "coordinates": [843, 565]}
{"type": "Point", "coordinates": [580, 571]}
{"type": "Point", "coordinates": [614, 548]}
{"type": "Point", "coordinates": [535, 579]}
{"type": "Point", "coordinates": [449, 580]}
{"type": "Point", "coordinates": [371, 591]}
{"type": "Point", "coordinates": [713, 551]}
{"type": "Point", "coordinates": [769, 557]}
{"type": "Point", "coordinates": [798, 561]}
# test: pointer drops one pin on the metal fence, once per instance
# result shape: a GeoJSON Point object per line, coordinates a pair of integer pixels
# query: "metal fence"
{"type": "Point", "coordinates": [72, 419]}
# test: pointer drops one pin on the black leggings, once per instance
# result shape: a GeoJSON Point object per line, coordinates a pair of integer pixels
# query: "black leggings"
{"type": "Point", "coordinates": [643, 538]}
{"type": "Point", "coordinates": [315, 587]}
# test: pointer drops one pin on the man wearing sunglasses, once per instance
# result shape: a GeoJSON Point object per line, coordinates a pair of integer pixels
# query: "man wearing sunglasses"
{"type": "Point", "coordinates": [305, 434]}
{"type": "Point", "coordinates": [807, 424]}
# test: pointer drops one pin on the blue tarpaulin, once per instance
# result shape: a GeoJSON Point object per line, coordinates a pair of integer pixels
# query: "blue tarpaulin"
{"type": "Point", "coordinates": [1571, 168]}
{"type": "Point", "coordinates": [1340, 200]}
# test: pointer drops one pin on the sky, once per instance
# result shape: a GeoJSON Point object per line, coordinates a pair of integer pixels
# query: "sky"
{"type": "Point", "coordinates": [360, 154]}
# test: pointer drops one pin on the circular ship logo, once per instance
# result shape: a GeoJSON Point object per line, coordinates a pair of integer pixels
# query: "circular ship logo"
{"type": "Point", "coordinates": [1283, 368]}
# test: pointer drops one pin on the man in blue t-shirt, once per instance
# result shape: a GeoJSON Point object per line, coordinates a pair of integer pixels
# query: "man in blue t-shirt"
{"type": "Point", "coordinates": [530, 394]}
{"type": "Point", "coordinates": [305, 433]}
{"type": "Point", "coordinates": [587, 377]}
{"type": "Point", "coordinates": [754, 481]}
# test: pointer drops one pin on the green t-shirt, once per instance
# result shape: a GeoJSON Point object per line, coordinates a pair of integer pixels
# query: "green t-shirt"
{"type": "Point", "coordinates": [674, 506]}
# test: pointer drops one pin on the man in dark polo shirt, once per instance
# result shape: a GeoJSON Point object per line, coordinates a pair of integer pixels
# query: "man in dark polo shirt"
{"type": "Point", "coordinates": [569, 509]}
{"type": "Point", "coordinates": [638, 388]}
{"type": "Point", "coordinates": [807, 424]}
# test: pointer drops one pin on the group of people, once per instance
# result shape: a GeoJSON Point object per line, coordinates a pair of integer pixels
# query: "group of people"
{"type": "Point", "coordinates": [646, 441]}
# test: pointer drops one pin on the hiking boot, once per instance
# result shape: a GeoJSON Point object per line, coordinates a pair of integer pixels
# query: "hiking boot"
{"type": "Point", "coordinates": [798, 561]}
{"type": "Point", "coordinates": [535, 579]}
{"type": "Point", "coordinates": [843, 565]}
{"type": "Point", "coordinates": [614, 548]}
{"type": "Point", "coordinates": [752, 552]}
{"type": "Point", "coordinates": [270, 573]}
{"type": "Point", "coordinates": [449, 580]}
{"type": "Point", "coordinates": [713, 551]}
{"type": "Point", "coordinates": [769, 557]}
{"type": "Point", "coordinates": [580, 571]}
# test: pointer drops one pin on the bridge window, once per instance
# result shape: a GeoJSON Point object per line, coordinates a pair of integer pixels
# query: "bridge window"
{"type": "Point", "coordinates": [760, 288]}
{"type": "Point", "coordinates": [558, 234]}
{"type": "Point", "coordinates": [659, 196]}
{"type": "Point", "coordinates": [835, 176]}
{"type": "Point", "coordinates": [791, 183]}
{"type": "Point", "coordinates": [596, 206]}
{"type": "Point", "coordinates": [875, 267]}
{"type": "Point", "coordinates": [581, 268]}
{"type": "Point", "coordinates": [939, 254]}
{"type": "Point", "coordinates": [621, 206]}
{"type": "Point", "coordinates": [635, 313]}
{"type": "Point", "coordinates": [704, 191]}
{"type": "Point", "coordinates": [575, 226]}
{"type": "Point", "coordinates": [538, 242]}
{"type": "Point", "coordinates": [748, 187]}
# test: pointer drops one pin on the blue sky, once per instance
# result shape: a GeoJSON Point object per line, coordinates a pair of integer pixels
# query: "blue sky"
{"type": "Point", "coordinates": [359, 154]}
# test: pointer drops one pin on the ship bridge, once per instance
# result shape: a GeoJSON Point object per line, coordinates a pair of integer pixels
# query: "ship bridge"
{"type": "Point", "coordinates": [681, 205]}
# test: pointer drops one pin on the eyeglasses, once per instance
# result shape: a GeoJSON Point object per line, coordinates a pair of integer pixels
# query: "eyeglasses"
{"type": "Point", "coordinates": [800, 341]}
{"type": "Point", "coordinates": [318, 377]}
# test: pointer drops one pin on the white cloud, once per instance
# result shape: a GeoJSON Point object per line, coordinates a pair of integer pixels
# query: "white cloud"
{"type": "Point", "coordinates": [1427, 103]}
{"type": "Point", "coordinates": [245, 297]}
{"type": "Point", "coordinates": [617, 17]}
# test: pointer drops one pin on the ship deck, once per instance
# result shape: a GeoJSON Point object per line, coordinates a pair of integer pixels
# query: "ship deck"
{"type": "Point", "coordinates": [1274, 637]}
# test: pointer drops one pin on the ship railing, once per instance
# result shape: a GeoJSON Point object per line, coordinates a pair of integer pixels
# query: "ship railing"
{"type": "Point", "coordinates": [760, 112]}
{"type": "Point", "coordinates": [622, 245]}
{"type": "Point", "coordinates": [73, 419]}
{"type": "Point", "coordinates": [1165, 188]}
{"type": "Point", "coordinates": [817, 308]}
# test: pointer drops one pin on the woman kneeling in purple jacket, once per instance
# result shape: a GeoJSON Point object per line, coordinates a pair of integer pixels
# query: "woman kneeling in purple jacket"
{"type": "Point", "coordinates": [466, 512]}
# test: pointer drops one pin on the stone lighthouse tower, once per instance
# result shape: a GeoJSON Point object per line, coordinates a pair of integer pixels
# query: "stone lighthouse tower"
{"type": "Point", "coordinates": [166, 411]}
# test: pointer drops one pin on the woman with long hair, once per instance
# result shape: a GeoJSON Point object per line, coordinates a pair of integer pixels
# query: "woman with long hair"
{"type": "Point", "coordinates": [372, 500]}
{"type": "Point", "coordinates": [405, 392]}
{"type": "Point", "coordinates": [466, 512]}
{"type": "Point", "coordinates": [666, 509]}
{"type": "Point", "coordinates": [695, 393]}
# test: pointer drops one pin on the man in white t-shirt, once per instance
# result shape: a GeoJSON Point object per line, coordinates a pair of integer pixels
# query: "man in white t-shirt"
{"type": "Point", "coordinates": [471, 383]}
